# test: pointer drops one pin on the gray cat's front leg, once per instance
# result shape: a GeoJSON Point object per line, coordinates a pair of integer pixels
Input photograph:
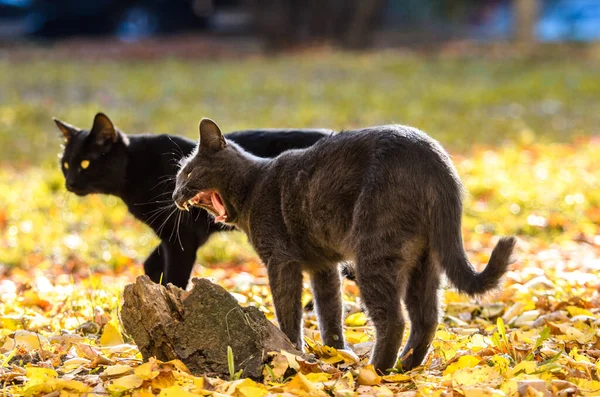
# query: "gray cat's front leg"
{"type": "Point", "coordinates": [285, 280]}
{"type": "Point", "coordinates": [326, 286]}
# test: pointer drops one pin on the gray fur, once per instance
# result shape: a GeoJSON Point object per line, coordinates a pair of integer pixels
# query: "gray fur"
{"type": "Point", "coordinates": [387, 198]}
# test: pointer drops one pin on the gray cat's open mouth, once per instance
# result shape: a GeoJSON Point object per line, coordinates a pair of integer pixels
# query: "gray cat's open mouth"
{"type": "Point", "coordinates": [210, 200]}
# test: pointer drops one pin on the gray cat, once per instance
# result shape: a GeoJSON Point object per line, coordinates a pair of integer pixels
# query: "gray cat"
{"type": "Point", "coordinates": [387, 198]}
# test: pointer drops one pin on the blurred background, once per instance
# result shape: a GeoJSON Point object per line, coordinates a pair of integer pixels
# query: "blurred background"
{"type": "Point", "coordinates": [510, 87]}
{"type": "Point", "coordinates": [282, 23]}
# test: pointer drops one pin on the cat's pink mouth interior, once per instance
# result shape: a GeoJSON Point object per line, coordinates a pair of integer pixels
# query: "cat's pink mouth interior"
{"type": "Point", "coordinates": [211, 200]}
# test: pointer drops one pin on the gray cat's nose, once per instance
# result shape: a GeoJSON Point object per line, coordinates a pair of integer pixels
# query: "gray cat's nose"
{"type": "Point", "coordinates": [178, 200]}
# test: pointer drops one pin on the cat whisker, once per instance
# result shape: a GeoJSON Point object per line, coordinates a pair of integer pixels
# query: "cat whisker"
{"type": "Point", "coordinates": [157, 215]}
{"type": "Point", "coordinates": [166, 179]}
{"type": "Point", "coordinates": [160, 211]}
{"type": "Point", "coordinates": [178, 228]}
{"type": "Point", "coordinates": [154, 202]}
{"type": "Point", "coordinates": [162, 207]}
{"type": "Point", "coordinates": [161, 227]}
{"type": "Point", "coordinates": [175, 225]}
{"type": "Point", "coordinates": [177, 146]}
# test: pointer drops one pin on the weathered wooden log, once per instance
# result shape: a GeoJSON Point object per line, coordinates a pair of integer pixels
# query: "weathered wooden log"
{"type": "Point", "coordinates": [197, 326]}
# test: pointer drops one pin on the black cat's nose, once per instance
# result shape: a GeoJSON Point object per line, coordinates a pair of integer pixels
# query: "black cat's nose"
{"type": "Point", "coordinates": [71, 185]}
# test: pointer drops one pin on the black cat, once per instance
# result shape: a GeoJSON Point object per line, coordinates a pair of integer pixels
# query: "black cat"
{"type": "Point", "coordinates": [387, 198]}
{"type": "Point", "coordinates": [140, 169]}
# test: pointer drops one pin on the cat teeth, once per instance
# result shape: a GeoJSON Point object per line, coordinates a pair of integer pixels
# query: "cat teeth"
{"type": "Point", "coordinates": [221, 218]}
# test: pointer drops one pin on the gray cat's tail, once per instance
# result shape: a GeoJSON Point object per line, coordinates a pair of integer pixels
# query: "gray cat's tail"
{"type": "Point", "coordinates": [464, 277]}
{"type": "Point", "coordinates": [446, 241]}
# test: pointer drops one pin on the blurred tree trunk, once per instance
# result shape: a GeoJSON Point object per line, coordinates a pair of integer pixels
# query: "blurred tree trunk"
{"type": "Point", "coordinates": [362, 24]}
{"type": "Point", "coordinates": [526, 14]}
{"type": "Point", "coordinates": [287, 23]}
{"type": "Point", "coordinates": [273, 22]}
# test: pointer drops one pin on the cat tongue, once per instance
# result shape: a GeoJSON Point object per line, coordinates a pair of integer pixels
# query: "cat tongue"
{"type": "Point", "coordinates": [218, 206]}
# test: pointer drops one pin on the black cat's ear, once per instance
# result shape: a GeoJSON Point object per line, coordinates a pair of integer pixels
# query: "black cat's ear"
{"type": "Point", "coordinates": [67, 129]}
{"type": "Point", "coordinates": [104, 130]}
{"type": "Point", "coordinates": [210, 135]}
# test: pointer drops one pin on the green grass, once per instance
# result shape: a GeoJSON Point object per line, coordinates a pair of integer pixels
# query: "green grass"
{"type": "Point", "coordinates": [530, 186]}
{"type": "Point", "coordinates": [457, 102]}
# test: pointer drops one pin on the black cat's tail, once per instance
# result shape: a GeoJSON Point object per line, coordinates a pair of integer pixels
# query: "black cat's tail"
{"type": "Point", "coordinates": [447, 246]}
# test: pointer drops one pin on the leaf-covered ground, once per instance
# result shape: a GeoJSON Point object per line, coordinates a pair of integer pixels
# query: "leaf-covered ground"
{"type": "Point", "coordinates": [64, 260]}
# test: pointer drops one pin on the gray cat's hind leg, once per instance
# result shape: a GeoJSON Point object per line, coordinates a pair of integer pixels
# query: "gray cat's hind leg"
{"type": "Point", "coordinates": [326, 286]}
{"type": "Point", "coordinates": [422, 304]}
{"type": "Point", "coordinates": [378, 278]}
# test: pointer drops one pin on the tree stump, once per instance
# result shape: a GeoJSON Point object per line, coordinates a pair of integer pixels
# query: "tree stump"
{"type": "Point", "coordinates": [197, 326]}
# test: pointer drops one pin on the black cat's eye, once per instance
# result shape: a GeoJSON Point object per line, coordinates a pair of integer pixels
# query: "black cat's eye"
{"type": "Point", "coordinates": [66, 165]}
{"type": "Point", "coordinates": [84, 164]}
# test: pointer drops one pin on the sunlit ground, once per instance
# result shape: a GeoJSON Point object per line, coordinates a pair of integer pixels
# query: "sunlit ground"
{"type": "Point", "coordinates": [522, 135]}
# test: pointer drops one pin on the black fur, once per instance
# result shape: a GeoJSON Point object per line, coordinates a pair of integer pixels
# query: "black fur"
{"type": "Point", "coordinates": [387, 198]}
{"type": "Point", "coordinates": [140, 169]}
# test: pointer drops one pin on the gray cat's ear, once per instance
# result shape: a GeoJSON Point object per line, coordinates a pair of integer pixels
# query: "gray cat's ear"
{"type": "Point", "coordinates": [67, 129]}
{"type": "Point", "coordinates": [210, 135]}
{"type": "Point", "coordinates": [104, 130]}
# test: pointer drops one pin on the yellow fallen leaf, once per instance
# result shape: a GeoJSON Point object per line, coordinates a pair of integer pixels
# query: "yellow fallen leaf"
{"type": "Point", "coordinates": [29, 340]}
{"type": "Point", "coordinates": [481, 392]}
{"type": "Point", "coordinates": [125, 383]}
{"type": "Point", "coordinates": [11, 323]}
{"type": "Point", "coordinates": [462, 362]}
{"type": "Point", "coordinates": [73, 363]}
{"type": "Point", "coordinates": [118, 369]}
{"type": "Point", "coordinates": [279, 365]}
{"type": "Point", "coordinates": [237, 384]}
{"type": "Point", "coordinates": [383, 391]}
{"type": "Point", "coordinates": [198, 386]}
{"type": "Point", "coordinates": [111, 335]}
{"type": "Point", "coordinates": [163, 380]}
{"type": "Point", "coordinates": [71, 385]}
{"type": "Point", "coordinates": [367, 376]}
{"type": "Point", "coordinates": [39, 375]}
{"type": "Point", "coordinates": [354, 336]}
{"type": "Point", "coordinates": [177, 364]}
{"type": "Point", "coordinates": [478, 376]}
{"type": "Point", "coordinates": [527, 367]}
{"type": "Point", "coordinates": [300, 383]}
{"type": "Point", "coordinates": [253, 391]}
{"type": "Point", "coordinates": [42, 381]}
{"type": "Point", "coordinates": [147, 370]}
{"type": "Point", "coordinates": [87, 351]}
{"type": "Point", "coordinates": [141, 393]}
{"type": "Point", "coordinates": [574, 354]}
{"type": "Point", "coordinates": [501, 363]}
{"type": "Point", "coordinates": [396, 378]}
{"type": "Point", "coordinates": [318, 377]}
{"type": "Point", "coordinates": [349, 356]}
{"type": "Point", "coordinates": [356, 320]}
{"type": "Point", "coordinates": [580, 332]}
{"type": "Point", "coordinates": [576, 311]}
{"type": "Point", "coordinates": [292, 362]}
{"type": "Point", "coordinates": [176, 391]}
{"type": "Point", "coordinates": [587, 387]}
{"type": "Point", "coordinates": [349, 379]}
